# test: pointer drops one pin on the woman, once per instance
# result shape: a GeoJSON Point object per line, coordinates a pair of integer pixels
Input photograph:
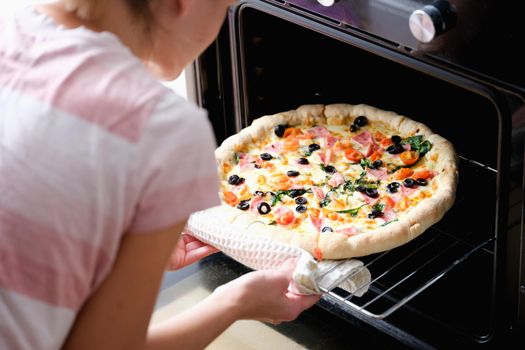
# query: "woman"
{"type": "Point", "coordinates": [100, 167]}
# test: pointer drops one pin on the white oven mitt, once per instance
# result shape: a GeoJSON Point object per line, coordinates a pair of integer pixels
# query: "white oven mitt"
{"type": "Point", "coordinates": [309, 277]}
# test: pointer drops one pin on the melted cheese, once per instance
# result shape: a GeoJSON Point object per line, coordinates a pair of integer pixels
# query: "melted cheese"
{"type": "Point", "coordinates": [324, 209]}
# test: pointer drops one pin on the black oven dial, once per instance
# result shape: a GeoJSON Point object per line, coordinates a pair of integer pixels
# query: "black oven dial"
{"type": "Point", "coordinates": [432, 20]}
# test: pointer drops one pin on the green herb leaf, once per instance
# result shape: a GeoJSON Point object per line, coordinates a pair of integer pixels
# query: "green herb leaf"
{"type": "Point", "coordinates": [277, 197]}
{"type": "Point", "coordinates": [352, 212]}
{"type": "Point", "coordinates": [365, 163]}
{"type": "Point", "coordinates": [379, 207]}
{"type": "Point", "coordinates": [392, 168]}
{"type": "Point", "coordinates": [326, 201]}
{"type": "Point", "coordinates": [361, 181]}
{"type": "Point", "coordinates": [273, 222]}
{"type": "Point", "coordinates": [417, 144]}
{"type": "Point", "coordinates": [236, 158]}
{"type": "Point", "coordinates": [389, 222]}
{"type": "Point", "coordinates": [290, 193]}
{"type": "Point", "coordinates": [348, 186]}
{"type": "Point", "coordinates": [424, 148]}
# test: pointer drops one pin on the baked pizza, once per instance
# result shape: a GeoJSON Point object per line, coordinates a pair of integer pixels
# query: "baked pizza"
{"type": "Point", "coordinates": [339, 181]}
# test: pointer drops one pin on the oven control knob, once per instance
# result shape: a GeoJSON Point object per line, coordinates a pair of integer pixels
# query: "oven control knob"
{"type": "Point", "coordinates": [432, 20]}
{"type": "Point", "coordinates": [327, 3]}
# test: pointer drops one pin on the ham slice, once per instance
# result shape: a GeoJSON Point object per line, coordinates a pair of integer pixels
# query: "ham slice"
{"type": "Point", "coordinates": [349, 231]}
{"type": "Point", "coordinates": [330, 140]}
{"type": "Point", "coordinates": [246, 161]}
{"type": "Point", "coordinates": [319, 193]}
{"type": "Point", "coordinates": [322, 132]}
{"type": "Point", "coordinates": [364, 138]}
{"type": "Point", "coordinates": [396, 197]}
{"type": "Point", "coordinates": [255, 202]}
{"type": "Point", "coordinates": [369, 200]}
{"type": "Point", "coordinates": [380, 174]}
{"type": "Point", "coordinates": [325, 157]}
{"type": "Point", "coordinates": [319, 131]}
{"type": "Point", "coordinates": [336, 180]}
{"type": "Point", "coordinates": [296, 186]}
{"type": "Point", "coordinates": [317, 222]}
{"type": "Point", "coordinates": [407, 191]}
{"type": "Point", "coordinates": [388, 214]}
{"type": "Point", "coordinates": [275, 147]}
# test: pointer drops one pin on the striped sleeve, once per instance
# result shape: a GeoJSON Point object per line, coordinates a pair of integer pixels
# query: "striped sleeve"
{"type": "Point", "coordinates": [176, 167]}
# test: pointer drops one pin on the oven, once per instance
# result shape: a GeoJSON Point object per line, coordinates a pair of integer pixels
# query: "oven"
{"type": "Point", "coordinates": [452, 65]}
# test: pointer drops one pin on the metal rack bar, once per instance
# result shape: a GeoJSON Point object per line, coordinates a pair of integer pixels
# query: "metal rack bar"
{"type": "Point", "coordinates": [407, 276]}
{"type": "Point", "coordinates": [391, 268]}
{"type": "Point", "coordinates": [385, 293]}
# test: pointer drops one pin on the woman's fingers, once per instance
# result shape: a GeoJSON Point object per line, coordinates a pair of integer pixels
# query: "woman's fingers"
{"type": "Point", "coordinates": [198, 254]}
{"type": "Point", "coordinates": [188, 250]}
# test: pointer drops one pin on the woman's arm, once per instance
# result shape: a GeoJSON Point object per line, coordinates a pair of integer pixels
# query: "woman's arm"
{"type": "Point", "coordinates": [260, 295]}
{"type": "Point", "coordinates": [117, 315]}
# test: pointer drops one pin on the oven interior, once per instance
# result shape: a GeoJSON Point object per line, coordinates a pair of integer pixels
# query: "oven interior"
{"type": "Point", "coordinates": [446, 281]}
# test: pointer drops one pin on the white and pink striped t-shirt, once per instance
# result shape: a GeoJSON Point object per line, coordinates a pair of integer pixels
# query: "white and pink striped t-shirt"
{"type": "Point", "coordinates": [91, 146]}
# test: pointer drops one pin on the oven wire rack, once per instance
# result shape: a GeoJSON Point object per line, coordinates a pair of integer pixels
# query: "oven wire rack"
{"type": "Point", "coordinates": [383, 292]}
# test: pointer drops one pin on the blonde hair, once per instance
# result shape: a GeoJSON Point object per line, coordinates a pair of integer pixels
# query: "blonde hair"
{"type": "Point", "coordinates": [91, 9]}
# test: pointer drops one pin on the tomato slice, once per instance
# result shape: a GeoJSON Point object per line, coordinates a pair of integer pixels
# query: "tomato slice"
{"type": "Point", "coordinates": [424, 174]}
{"type": "Point", "coordinates": [230, 198]}
{"type": "Point", "coordinates": [286, 218]}
{"type": "Point", "coordinates": [409, 157]}
{"type": "Point", "coordinates": [376, 155]}
{"type": "Point", "coordinates": [403, 173]}
{"type": "Point", "coordinates": [353, 155]}
{"type": "Point", "coordinates": [318, 254]}
{"type": "Point", "coordinates": [389, 201]}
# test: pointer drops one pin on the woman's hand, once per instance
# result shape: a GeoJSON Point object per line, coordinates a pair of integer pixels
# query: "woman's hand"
{"type": "Point", "coordinates": [187, 251]}
{"type": "Point", "coordinates": [264, 295]}
{"type": "Point", "coordinates": [261, 295]}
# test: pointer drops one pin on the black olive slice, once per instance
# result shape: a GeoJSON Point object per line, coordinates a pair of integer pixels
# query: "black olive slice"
{"type": "Point", "coordinates": [361, 121]}
{"type": "Point", "coordinates": [374, 213]}
{"type": "Point", "coordinates": [301, 208]}
{"type": "Point", "coordinates": [377, 163]}
{"type": "Point", "coordinates": [266, 156]}
{"type": "Point", "coordinates": [232, 180]}
{"type": "Point", "coordinates": [422, 182]}
{"type": "Point", "coordinates": [313, 147]}
{"type": "Point", "coordinates": [371, 192]}
{"type": "Point", "coordinates": [396, 139]}
{"type": "Point", "coordinates": [243, 205]}
{"type": "Point", "coordinates": [301, 200]}
{"type": "Point", "coordinates": [279, 130]}
{"type": "Point", "coordinates": [329, 169]}
{"type": "Point", "coordinates": [264, 208]}
{"type": "Point", "coordinates": [303, 161]}
{"type": "Point", "coordinates": [408, 182]}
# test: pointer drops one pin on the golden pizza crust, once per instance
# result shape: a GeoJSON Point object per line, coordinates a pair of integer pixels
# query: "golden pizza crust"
{"type": "Point", "coordinates": [335, 245]}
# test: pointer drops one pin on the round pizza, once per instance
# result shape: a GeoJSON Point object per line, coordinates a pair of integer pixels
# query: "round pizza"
{"type": "Point", "coordinates": [339, 181]}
